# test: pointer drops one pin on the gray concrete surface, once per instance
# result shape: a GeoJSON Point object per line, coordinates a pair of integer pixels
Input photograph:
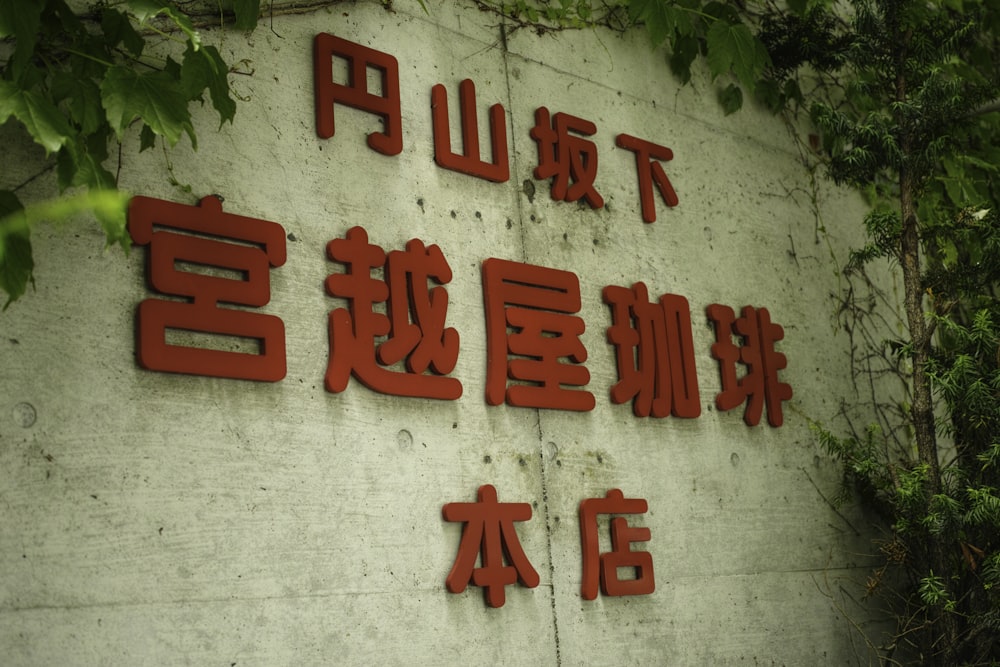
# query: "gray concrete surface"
{"type": "Point", "coordinates": [159, 519]}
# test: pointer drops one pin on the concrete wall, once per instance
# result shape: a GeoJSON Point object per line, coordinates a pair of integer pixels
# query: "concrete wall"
{"type": "Point", "coordinates": [155, 518]}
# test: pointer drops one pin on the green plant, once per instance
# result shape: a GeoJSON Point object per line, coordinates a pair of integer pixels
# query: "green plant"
{"type": "Point", "coordinates": [903, 95]}
{"type": "Point", "coordinates": [721, 32]}
{"type": "Point", "coordinates": [76, 82]}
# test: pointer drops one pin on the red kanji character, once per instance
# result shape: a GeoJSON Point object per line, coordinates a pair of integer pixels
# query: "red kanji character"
{"type": "Point", "coordinates": [655, 352]}
{"type": "Point", "coordinates": [650, 171]}
{"type": "Point", "coordinates": [489, 533]}
{"type": "Point", "coordinates": [423, 343]}
{"type": "Point", "coordinates": [760, 386]}
{"type": "Point", "coordinates": [469, 162]}
{"type": "Point", "coordinates": [523, 297]}
{"type": "Point", "coordinates": [355, 93]}
{"type": "Point", "coordinates": [566, 157]}
{"type": "Point", "coordinates": [199, 243]}
{"type": "Point", "coordinates": [603, 568]}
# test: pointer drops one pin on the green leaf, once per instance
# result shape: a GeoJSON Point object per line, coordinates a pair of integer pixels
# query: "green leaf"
{"type": "Point", "coordinates": [118, 29]}
{"type": "Point", "coordinates": [721, 53]}
{"type": "Point", "coordinates": [77, 165]}
{"type": "Point", "coordinates": [173, 68]}
{"type": "Point", "coordinates": [731, 99]}
{"type": "Point", "coordinates": [39, 115]}
{"type": "Point", "coordinates": [798, 6]}
{"type": "Point", "coordinates": [658, 16]}
{"type": "Point", "coordinates": [9, 203]}
{"type": "Point", "coordinates": [685, 50]}
{"type": "Point", "coordinates": [82, 99]}
{"type": "Point", "coordinates": [686, 17]}
{"type": "Point", "coordinates": [733, 47]}
{"type": "Point", "coordinates": [982, 164]}
{"type": "Point", "coordinates": [247, 13]}
{"type": "Point", "coordinates": [110, 207]}
{"type": "Point", "coordinates": [107, 205]}
{"type": "Point", "coordinates": [769, 92]}
{"type": "Point", "coordinates": [722, 11]}
{"type": "Point", "coordinates": [145, 10]}
{"type": "Point", "coordinates": [16, 263]}
{"type": "Point", "coordinates": [949, 253]}
{"type": "Point", "coordinates": [960, 191]}
{"type": "Point", "coordinates": [205, 68]}
{"type": "Point", "coordinates": [958, 184]}
{"type": "Point", "coordinates": [147, 138]}
{"type": "Point", "coordinates": [16, 266]}
{"type": "Point", "coordinates": [155, 97]}
{"type": "Point", "coordinates": [20, 20]}
{"type": "Point", "coordinates": [792, 91]}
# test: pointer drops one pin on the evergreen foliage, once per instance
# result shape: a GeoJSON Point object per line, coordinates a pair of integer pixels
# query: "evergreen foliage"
{"type": "Point", "coordinates": [912, 123]}
{"type": "Point", "coordinates": [904, 96]}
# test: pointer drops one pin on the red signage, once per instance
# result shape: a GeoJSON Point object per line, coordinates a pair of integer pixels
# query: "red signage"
{"type": "Point", "coordinates": [601, 568]}
{"type": "Point", "coordinates": [414, 326]}
{"type": "Point", "coordinates": [204, 236]}
{"type": "Point", "coordinates": [354, 93]}
{"type": "Point", "coordinates": [393, 335]}
{"type": "Point", "coordinates": [564, 153]}
{"type": "Point", "coordinates": [530, 315]}
{"type": "Point", "coordinates": [469, 162]}
{"type": "Point", "coordinates": [489, 535]}
{"type": "Point", "coordinates": [759, 386]}
{"type": "Point", "coordinates": [535, 358]}
{"type": "Point", "coordinates": [655, 352]}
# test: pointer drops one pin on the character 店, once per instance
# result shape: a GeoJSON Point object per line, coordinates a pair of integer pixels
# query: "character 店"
{"type": "Point", "coordinates": [490, 536]}
{"type": "Point", "coordinates": [565, 154]}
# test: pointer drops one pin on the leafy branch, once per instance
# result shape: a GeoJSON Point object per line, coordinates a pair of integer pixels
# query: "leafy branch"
{"type": "Point", "coordinates": [690, 28]}
{"type": "Point", "coordinates": [76, 82]}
